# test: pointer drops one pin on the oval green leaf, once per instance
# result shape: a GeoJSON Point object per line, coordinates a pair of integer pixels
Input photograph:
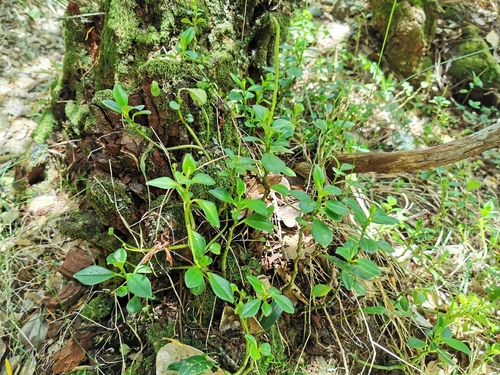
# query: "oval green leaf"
{"type": "Point", "coordinates": [221, 287]}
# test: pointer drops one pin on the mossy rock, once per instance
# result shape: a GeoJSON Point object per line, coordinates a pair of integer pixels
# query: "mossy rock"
{"type": "Point", "coordinates": [475, 59]}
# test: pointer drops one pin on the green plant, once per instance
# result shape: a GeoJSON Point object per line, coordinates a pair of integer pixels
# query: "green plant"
{"type": "Point", "coordinates": [438, 336]}
{"type": "Point", "coordinates": [136, 282]}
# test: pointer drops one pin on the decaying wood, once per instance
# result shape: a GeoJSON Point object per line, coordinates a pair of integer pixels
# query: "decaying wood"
{"type": "Point", "coordinates": [404, 161]}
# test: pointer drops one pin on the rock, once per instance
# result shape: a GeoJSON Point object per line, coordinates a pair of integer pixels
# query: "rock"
{"type": "Point", "coordinates": [315, 10]}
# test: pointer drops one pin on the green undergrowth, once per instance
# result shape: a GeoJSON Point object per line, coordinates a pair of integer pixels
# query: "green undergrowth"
{"type": "Point", "coordinates": [426, 239]}
{"type": "Point", "coordinates": [390, 272]}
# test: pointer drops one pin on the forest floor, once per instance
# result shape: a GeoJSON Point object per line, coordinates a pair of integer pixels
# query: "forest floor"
{"type": "Point", "coordinates": [447, 261]}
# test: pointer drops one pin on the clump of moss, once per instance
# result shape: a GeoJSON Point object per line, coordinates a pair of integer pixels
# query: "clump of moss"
{"type": "Point", "coordinates": [98, 308]}
{"type": "Point", "coordinates": [481, 62]}
{"type": "Point", "coordinates": [45, 127]}
{"type": "Point", "coordinates": [159, 333]}
{"type": "Point", "coordinates": [143, 367]}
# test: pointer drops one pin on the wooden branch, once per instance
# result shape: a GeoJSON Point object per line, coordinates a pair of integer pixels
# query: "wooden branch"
{"type": "Point", "coordinates": [403, 161]}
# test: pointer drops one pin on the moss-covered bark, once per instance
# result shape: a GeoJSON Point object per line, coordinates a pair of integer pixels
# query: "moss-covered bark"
{"type": "Point", "coordinates": [412, 25]}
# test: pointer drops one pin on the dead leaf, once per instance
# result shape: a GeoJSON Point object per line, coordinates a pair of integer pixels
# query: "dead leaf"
{"type": "Point", "coordinates": [175, 352]}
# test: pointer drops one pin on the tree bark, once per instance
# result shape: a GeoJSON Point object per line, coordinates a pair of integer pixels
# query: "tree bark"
{"type": "Point", "coordinates": [404, 161]}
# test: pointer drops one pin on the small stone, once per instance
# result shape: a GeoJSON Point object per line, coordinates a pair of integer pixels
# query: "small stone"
{"type": "Point", "coordinates": [315, 10]}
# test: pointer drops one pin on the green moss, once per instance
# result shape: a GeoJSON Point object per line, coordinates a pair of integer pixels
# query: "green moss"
{"type": "Point", "coordinates": [99, 307]}
{"type": "Point", "coordinates": [280, 361]}
{"type": "Point", "coordinates": [101, 95]}
{"type": "Point", "coordinates": [143, 367]}
{"type": "Point", "coordinates": [45, 127]}
{"type": "Point", "coordinates": [163, 69]}
{"type": "Point", "coordinates": [82, 225]}
{"type": "Point", "coordinates": [102, 195]}
{"type": "Point", "coordinates": [159, 333]}
{"type": "Point", "coordinates": [77, 115]}
{"type": "Point", "coordinates": [482, 62]}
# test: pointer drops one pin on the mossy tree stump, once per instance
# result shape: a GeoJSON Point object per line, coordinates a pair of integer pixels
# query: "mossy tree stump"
{"type": "Point", "coordinates": [133, 43]}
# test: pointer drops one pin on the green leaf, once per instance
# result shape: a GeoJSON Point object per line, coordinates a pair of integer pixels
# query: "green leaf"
{"type": "Point", "coordinates": [445, 357]}
{"type": "Point", "coordinates": [155, 89]}
{"type": "Point", "coordinates": [306, 203]}
{"type": "Point", "coordinates": [321, 233]}
{"type": "Point", "coordinates": [273, 163]}
{"type": "Point", "coordinates": [236, 96]}
{"type": "Point", "coordinates": [380, 217]}
{"type": "Point", "coordinates": [93, 275]}
{"type": "Point", "coordinates": [254, 348]}
{"type": "Point", "coordinates": [188, 165]}
{"type": "Point", "coordinates": [368, 245]}
{"type": "Point", "coordinates": [267, 309]}
{"type": "Point", "coordinates": [384, 246]}
{"type": "Point", "coordinates": [197, 364]}
{"type": "Point", "coordinates": [203, 179]}
{"type": "Point", "coordinates": [251, 308]}
{"type": "Point", "coordinates": [358, 213]}
{"type": "Point", "coordinates": [122, 291]}
{"type": "Point", "coordinates": [197, 244]}
{"type": "Point", "coordinates": [348, 251]}
{"type": "Point", "coordinates": [269, 319]}
{"type": "Point", "coordinates": [260, 111]}
{"type": "Point", "coordinates": [337, 207]}
{"type": "Point", "coordinates": [318, 176]}
{"type": "Point", "coordinates": [134, 305]}
{"type": "Point", "coordinates": [194, 277]}
{"type": "Point", "coordinates": [259, 222]}
{"type": "Point", "coordinates": [364, 271]}
{"type": "Point", "coordinates": [377, 310]}
{"type": "Point", "coordinates": [221, 287]}
{"type": "Point", "coordinates": [359, 288]}
{"type": "Point", "coordinates": [214, 248]}
{"type": "Point", "coordinates": [174, 105]}
{"type": "Point", "coordinates": [117, 258]}
{"type": "Point", "coordinates": [210, 211]}
{"type": "Point", "coordinates": [347, 280]}
{"type": "Point", "coordinates": [163, 183]}
{"type": "Point", "coordinates": [240, 187]}
{"type": "Point", "coordinates": [111, 104]}
{"type": "Point", "coordinates": [295, 71]}
{"type": "Point", "coordinates": [236, 79]}
{"type": "Point", "coordinates": [257, 285]}
{"type": "Point", "coordinates": [265, 349]}
{"type": "Point", "coordinates": [284, 302]}
{"type": "Point", "coordinates": [181, 179]}
{"type": "Point", "coordinates": [473, 184]}
{"type": "Point", "coordinates": [456, 344]}
{"type": "Point", "coordinates": [120, 95]}
{"type": "Point", "coordinates": [187, 37]}
{"type": "Point", "coordinates": [256, 205]}
{"type": "Point", "coordinates": [332, 190]}
{"type": "Point", "coordinates": [199, 96]}
{"type": "Point", "coordinates": [368, 267]}
{"type": "Point", "coordinates": [321, 290]}
{"type": "Point", "coordinates": [222, 195]}
{"type": "Point", "coordinates": [282, 189]}
{"type": "Point", "coordinates": [139, 285]}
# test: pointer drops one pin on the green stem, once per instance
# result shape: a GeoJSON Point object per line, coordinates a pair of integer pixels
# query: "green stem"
{"type": "Point", "coordinates": [226, 249]}
{"type": "Point", "coordinates": [190, 130]}
{"type": "Point", "coordinates": [276, 69]}
{"type": "Point", "coordinates": [296, 261]}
